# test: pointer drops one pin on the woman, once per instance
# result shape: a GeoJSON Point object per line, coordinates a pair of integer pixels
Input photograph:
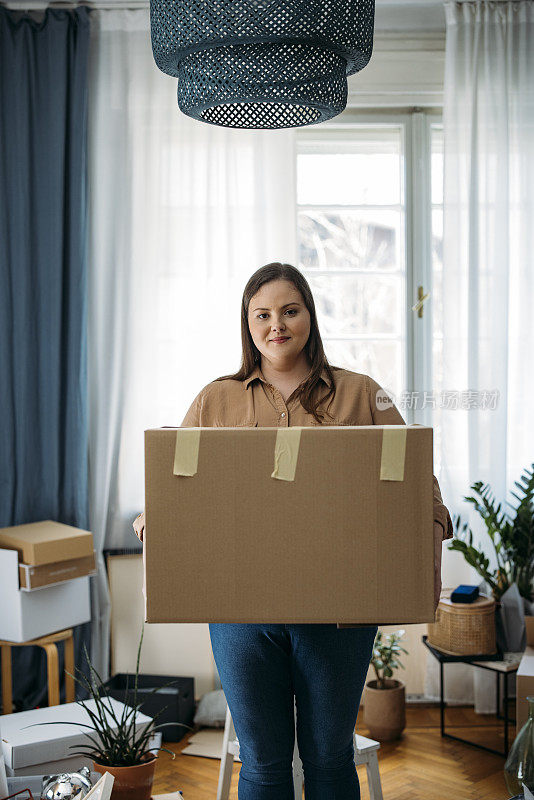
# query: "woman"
{"type": "Point", "coordinates": [286, 380]}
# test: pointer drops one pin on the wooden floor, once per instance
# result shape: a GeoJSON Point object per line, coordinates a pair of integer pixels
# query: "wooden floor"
{"type": "Point", "coordinates": [419, 766]}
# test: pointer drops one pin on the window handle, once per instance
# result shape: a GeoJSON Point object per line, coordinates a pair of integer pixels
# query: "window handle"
{"type": "Point", "coordinates": [421, 297]}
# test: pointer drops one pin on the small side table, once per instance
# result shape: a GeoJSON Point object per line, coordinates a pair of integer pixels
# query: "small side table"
{"type": "Point", "coordinates": [502, 664]}
{"type": "Point", "coordinates": [49, 644]}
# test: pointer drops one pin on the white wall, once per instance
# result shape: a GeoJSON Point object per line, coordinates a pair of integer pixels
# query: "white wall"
{"type": "Point", "coordinates": [405, 70]}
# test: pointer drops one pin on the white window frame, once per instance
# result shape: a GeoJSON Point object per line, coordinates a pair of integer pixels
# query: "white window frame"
{"type": "Point", "coordinates": [415, 124]}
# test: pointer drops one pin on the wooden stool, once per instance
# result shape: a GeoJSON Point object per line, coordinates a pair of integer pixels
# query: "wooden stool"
{"type": "Point", "coordinates": [49, 643]}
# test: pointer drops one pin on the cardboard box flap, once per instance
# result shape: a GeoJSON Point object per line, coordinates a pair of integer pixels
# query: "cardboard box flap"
{"type": "Point", "coordinates": [286, 451]}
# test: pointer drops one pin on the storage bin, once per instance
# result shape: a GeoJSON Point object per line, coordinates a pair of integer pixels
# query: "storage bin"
{"type": "Point", "coordinates": [179, 697]}
{"type": "Point", "coordinates": [28, 615]}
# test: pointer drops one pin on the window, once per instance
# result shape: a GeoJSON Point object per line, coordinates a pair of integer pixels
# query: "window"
{"type": "Point", "coordinates": [369, 235]}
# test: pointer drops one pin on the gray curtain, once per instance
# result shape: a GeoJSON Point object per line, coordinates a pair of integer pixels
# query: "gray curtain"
{"type": "Point", "coordinates": [43, 379]}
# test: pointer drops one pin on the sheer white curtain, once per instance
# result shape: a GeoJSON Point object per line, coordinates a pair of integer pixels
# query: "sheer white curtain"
{"type": "Point", "coordinates": [488, 283]}
{"type": "Point", "coordinates": [182, 214]}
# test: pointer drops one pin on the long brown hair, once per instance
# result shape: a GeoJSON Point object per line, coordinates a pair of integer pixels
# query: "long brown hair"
{"type": "Point", "coordinates": [313, 347]}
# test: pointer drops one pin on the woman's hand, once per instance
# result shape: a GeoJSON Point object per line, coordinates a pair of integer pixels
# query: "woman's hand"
{"type": "Point", "coordinates": [438, 539]}
{"type": "Point", "coordinates": [139, 525]}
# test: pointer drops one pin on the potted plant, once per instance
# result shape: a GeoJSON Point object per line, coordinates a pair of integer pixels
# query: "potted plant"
{"type": "Point", "coordinates": [115, 746]}
{"type": "Point", "coordinates": [512, 538]}
{"type": "Point", "coordinates": [384, 710]}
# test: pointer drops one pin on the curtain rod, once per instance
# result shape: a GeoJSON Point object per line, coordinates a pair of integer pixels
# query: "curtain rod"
{"type": "Point", "coordinates": [42, 5]}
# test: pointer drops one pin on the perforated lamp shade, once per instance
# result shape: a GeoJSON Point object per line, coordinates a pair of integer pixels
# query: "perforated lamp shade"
{"type": "Point", "coordinates": [262, 63]}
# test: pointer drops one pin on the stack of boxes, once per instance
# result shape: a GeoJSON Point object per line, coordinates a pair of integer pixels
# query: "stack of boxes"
{"type": "Point", "coordinates": [44, 579]}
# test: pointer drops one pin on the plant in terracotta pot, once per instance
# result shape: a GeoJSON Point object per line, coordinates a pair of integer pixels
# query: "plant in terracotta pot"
{"type": "Point", "coordinates": [384, 710]}
{"type": "Point", "coordinates": [115, 745]}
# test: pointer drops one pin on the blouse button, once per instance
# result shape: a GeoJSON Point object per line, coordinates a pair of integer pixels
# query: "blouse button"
{"type": "Point", "coordinates": [283, 414]}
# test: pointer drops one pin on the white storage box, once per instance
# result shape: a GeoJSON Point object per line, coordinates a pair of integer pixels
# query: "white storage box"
{"type": "Point", "coordinates": [46, 749]}
{"type": "Point", "coordinates": [28, 615]}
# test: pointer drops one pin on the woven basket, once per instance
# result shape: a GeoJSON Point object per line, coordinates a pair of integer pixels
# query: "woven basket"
{"type": "Point", "coordinates": [464, 629]}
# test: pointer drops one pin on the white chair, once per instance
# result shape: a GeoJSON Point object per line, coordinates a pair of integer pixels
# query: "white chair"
{"type": "Point", "coordinates": [364, 753]}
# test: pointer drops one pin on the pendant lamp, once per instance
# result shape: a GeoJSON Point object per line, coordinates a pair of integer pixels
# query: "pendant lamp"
{"type": "Point", "coordinates": [262, 63]}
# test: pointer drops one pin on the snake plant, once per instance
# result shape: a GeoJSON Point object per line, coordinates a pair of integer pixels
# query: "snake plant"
{"type": "Point", "coordinates": [114, 740]}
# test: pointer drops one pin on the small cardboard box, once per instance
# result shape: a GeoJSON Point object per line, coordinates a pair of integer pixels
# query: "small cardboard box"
{"type": "Point", "coordinates": [525, 677]}
{"type": "Point", "coordinates": [43, 749]}
{"type": "Point", "coordinates": [28, 615]}
{"type": "Point", "coordinates": [32, 578]}
{"type": "Point", "coordinates": [314, 525]}
{"type": "Point", "coordinates": [46, 542]}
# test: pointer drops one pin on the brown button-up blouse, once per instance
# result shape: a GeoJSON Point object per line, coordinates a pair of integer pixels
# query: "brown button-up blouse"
{"type": "Point", "coordinates": [255, 402]}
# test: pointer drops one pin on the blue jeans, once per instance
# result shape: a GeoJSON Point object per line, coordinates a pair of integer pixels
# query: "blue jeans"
{"type": "Point", "coordinates": [261, 667]}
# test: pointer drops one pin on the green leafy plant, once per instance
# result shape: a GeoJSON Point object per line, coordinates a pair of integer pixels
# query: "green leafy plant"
{"type": "Point", "coordinates": [115, 742]}
{"type": "Point", "coordinates": [385, 656]}
{"type": "Point", "coordinates": [512, 537]}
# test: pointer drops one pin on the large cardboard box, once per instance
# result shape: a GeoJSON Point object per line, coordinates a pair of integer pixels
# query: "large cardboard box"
{"type": "Point", "coordinates": [43, 749]}
{"type": "Point", "coordinates": [525, 677]}
{"type": "Point", "coordinates": [28, 615]}
{"type": "Point", "coordinates": [312, 525]}
{"type": "Point", "coordinates": [47, 541]}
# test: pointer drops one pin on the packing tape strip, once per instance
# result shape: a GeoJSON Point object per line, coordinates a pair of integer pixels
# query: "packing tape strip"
{"type": "Point", "coordinates": [393, 454]}
{"type": "Point", "coordinates": [286, 453]}
{"type": "Point", "coordinates": [186, 451]}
